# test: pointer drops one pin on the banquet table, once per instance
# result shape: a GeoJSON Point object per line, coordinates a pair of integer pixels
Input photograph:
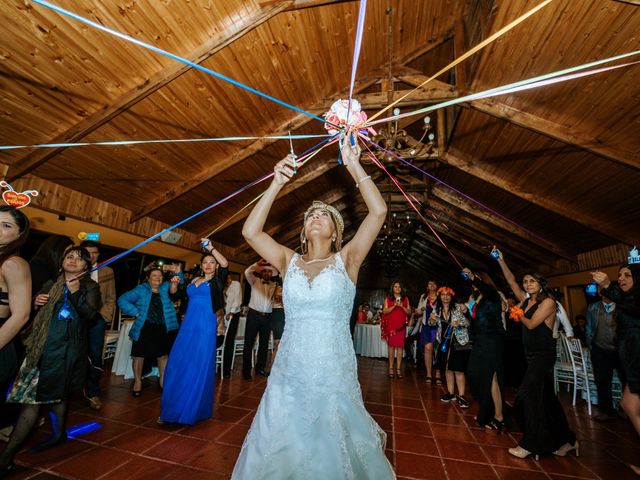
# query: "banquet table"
{"type": "Point", "coordinates": [122, 363]}
{"type": "Point", "coordinates": [367, 341]}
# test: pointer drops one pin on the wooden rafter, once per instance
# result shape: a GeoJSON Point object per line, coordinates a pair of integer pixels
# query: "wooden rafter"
{"type": "Point", "coordinates": [448, 196]}
{"type": "Point", "coordinates": [217, 165]}
{"type": "Point", "coordinates": [548, 128]}
{"type": "Point", "coordinates": [473, 166]}
{"type": "Point", "coordinates": [156, 81]}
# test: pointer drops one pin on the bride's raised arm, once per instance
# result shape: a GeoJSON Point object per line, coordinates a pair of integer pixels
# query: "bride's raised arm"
{"type": "Point", "coordinates": [357, 249]}
{"type": "Point", "coordinates": [253, 229]}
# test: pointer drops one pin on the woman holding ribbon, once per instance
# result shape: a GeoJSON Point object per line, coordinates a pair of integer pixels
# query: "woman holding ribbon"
{"type": "Point", "coordinates": [187, 396]}
{"type": "Point", "coordinates": [56, 356]}
{"type": "Point", "coordinates": [311, 421]}
{"type": "Point", "coordinates": [395, 315]}
{"type": "Point", "coordinates": [537, 408]}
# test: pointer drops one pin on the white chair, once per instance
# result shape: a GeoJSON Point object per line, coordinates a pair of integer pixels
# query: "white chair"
{"type": "Point", "coordinates": [220, 352]}
{"type": "Point", "coordinates": [111, 339]}
{"type": "Point", "coordinates": [581, 376]}
{"type": "Point", "coordinates": [563, 369]}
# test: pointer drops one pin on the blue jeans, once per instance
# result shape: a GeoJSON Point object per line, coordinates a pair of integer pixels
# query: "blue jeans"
{"type": "Point", "coordinates": [96, 343]}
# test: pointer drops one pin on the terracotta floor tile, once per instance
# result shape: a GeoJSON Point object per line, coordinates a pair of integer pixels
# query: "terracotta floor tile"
{"type": "Point", "coordinates": [19, 472]}
{"type": "Point", "coordinates": [414, 427]}
{"type": "Point", "coordinates": [51, 457]}
{"type": "Point", "coordinates": [107, 430]}
{"type": "Point", "coordinates": [460, 450]}
{"type": "Point", "coordinates": [137, 440]}
{"type": "Point", "coordinates": [217, 458]}
{"type": "Point", "coordinates": [568, 465]}
{"type": "Point", "coordinates": [177, 448]}
{"type": "Point", "coordinates": [139, 468]}
{"type": "Point", "coordinates": [449, 418]}
{"type": "Point", "coordinates": [186, 473]}
{"type": "Point", "coordinates": [608, 469]}
{"type": "Point", "coordinates": [384, 421]}
{"type": "Point", "coordinates": [235, 435]}
{"type": "Point", "coordinates": [250, 403]}
{"type": "Point", "coordinates": [501, 456]}
{"type": "Point", "coordinates": [418, 466]}
{"type": "Point", "coordinates": [138, 415]}
{"type": "Point", "coordinates": [460, 470]}
{"type": "Point", "coordinates": [93, 463]}
{"type": "Point", "coordinates": [42, 476]}
{"type": "Point", "coordinates": [224, 413]}
{"type": "Point", "coordinates": [378, 409]}
{"type": "Point", "coordinates": [491, 437]}
{"type": "Point", "coordinates": [407, 402]}
{"type": "Point", "coordinates": [515, 474]}
{"type": "Point", "coordinates": [415, 444]}
{"type": "Point", "coordinates": [452, 432]}
{"type": "Point", "coordinates": [410, 413]}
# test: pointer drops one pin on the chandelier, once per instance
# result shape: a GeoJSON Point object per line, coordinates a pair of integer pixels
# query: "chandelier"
{"type": "Point", "coordinates": [394, 240]}
{"type": "Point", "coordinates": [402, 144]}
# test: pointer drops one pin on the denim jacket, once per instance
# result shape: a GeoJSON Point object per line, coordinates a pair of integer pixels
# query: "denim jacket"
{"type": "Point", "coordinates": [136, 303]}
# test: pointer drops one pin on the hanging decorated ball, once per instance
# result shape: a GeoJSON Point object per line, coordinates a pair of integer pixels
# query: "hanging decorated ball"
{"type": "Point", "coordinates": [340, 115]}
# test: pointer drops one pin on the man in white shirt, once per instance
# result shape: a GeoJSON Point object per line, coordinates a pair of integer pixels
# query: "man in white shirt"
{"type": "Point", "coordinates": [232, 307]}
{"type": "Point", "coordinates": [258, 276]}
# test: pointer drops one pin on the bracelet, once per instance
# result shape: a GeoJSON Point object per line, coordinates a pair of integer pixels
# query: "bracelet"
{"type": "Point", "coordinates": [368, 177]}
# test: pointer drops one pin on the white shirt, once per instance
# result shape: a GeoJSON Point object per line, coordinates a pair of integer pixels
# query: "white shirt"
{"type": "Point", "coordinates": [261, 291]}
{"type": "Point", "coordinates": [233, 298]}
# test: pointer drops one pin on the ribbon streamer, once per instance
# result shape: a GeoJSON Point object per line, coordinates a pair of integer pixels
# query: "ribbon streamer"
{"type": "Point", "coordinates": [173, 56]}
{"type": "Point", "coordinates": [171, 140]}
{"type": "Point", "coordinates": [356, 51]}
{"type": "Point", "coordinates": [467, 54]}
{"type": "Point", "coordinates": [460, 192]}
{"type": "Point", "coordinates": [404, 194]}
{"type": "Point", "coordinates": [534, 82]}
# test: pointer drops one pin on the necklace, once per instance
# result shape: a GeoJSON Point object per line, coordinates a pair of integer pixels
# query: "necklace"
{"type": "Point", "coordinates": [316, 260]}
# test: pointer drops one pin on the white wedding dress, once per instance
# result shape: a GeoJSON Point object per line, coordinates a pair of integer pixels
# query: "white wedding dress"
{"type": "Point", "coordinates": [311, 422]}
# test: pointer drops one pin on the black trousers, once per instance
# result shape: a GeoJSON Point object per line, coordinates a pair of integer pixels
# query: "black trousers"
{"type": "Point", "coordinates": [604, 361]}
{"type": "Point", "coordinates": [229, 347]}
{"type": "Point", "coordinates": [257, 324]}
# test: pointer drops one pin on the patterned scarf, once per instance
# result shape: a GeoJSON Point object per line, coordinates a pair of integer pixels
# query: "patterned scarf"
{"type": "Point", "coordinates": [37, 338]}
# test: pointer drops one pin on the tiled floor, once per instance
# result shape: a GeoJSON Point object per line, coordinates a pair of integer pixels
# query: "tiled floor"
{"type": "Point", "coordinates": [426, 439]}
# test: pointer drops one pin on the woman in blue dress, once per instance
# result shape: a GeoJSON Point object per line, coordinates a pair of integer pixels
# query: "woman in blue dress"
{"type": "Point", "coordinates": [187, 396]}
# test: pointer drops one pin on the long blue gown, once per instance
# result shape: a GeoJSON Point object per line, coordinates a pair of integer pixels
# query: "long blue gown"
{"type": "Point", "coordinates": [189, 378]}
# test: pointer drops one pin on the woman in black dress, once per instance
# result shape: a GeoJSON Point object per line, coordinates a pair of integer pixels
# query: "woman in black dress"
{"type": "Point", "coordinates": [56, 356]}
{"type": "Point", "coordinates": [485, 371]}
{"type": "Point", "coordinates": [537, 408]}
{"type": "Point", "coordinates": [626, 295]}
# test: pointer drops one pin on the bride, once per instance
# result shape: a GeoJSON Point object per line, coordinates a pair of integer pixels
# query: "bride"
{"type": "Point", "coordinates": [311, 422]}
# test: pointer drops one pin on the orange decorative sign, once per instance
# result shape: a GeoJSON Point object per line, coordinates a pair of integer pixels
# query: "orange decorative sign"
{"type": "Point", "coordinates": [14, 198]}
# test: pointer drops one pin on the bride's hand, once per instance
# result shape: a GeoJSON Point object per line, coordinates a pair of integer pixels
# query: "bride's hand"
{"type": "Point", "coordinates": [284, 170]}
{"type": "Point", "coordinates": [350, 154]}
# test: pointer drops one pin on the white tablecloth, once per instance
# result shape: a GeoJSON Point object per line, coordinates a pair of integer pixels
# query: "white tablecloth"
{"type": "Point", "coordinates": [122, 363]}
{"type": "Point", "coordinates": [367, 341]}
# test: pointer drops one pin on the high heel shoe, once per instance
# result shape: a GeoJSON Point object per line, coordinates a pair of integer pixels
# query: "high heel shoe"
{"type": "Point", "coordinates": [566, 448]}
{"type": "Point", "coordinates": [391, 374]}
{"type": "Point", "coordinates": [399, 374]}
{"type": "Point", "coordinates": [521, 452]}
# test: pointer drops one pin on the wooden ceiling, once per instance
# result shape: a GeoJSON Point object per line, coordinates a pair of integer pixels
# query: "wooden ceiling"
{"type": "Point", "coordinates": [562, 161]}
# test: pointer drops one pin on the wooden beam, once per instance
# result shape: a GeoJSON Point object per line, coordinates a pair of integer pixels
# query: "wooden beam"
{"type": "Point", "coordinates": [461, 204]}
{"type": "Point", "coordinates": [459, 48]}
{"type": "Point", "coordinates": [473, 166]}
{"type": "Point", "coordinates": [156, 81]}
{"type": "Point", "coordinates": [220, 165]}
{"type": "Point", "coordinates": [548, 128]}
{"type": "Point", "coordinates": [309, 174]}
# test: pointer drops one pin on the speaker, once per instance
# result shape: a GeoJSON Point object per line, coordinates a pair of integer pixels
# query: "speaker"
{"type": "Point", "coordinates": [170, 237]}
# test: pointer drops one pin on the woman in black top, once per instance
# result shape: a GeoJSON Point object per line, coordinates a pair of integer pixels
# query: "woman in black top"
{"type": "Point", "coordinates": [537, 408]}
{"type": "Point", "coordinates": [626, 295]}
{"type": "Point", "coordinates": [485, 370]}
{"type": "Point", "coordinates": [56, 356]}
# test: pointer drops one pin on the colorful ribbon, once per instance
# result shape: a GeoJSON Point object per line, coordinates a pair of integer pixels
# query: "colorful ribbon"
{"type": "Point", "coordinates": [466, 55]}
{"type": "Point", "coordinates": [172, 140]}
